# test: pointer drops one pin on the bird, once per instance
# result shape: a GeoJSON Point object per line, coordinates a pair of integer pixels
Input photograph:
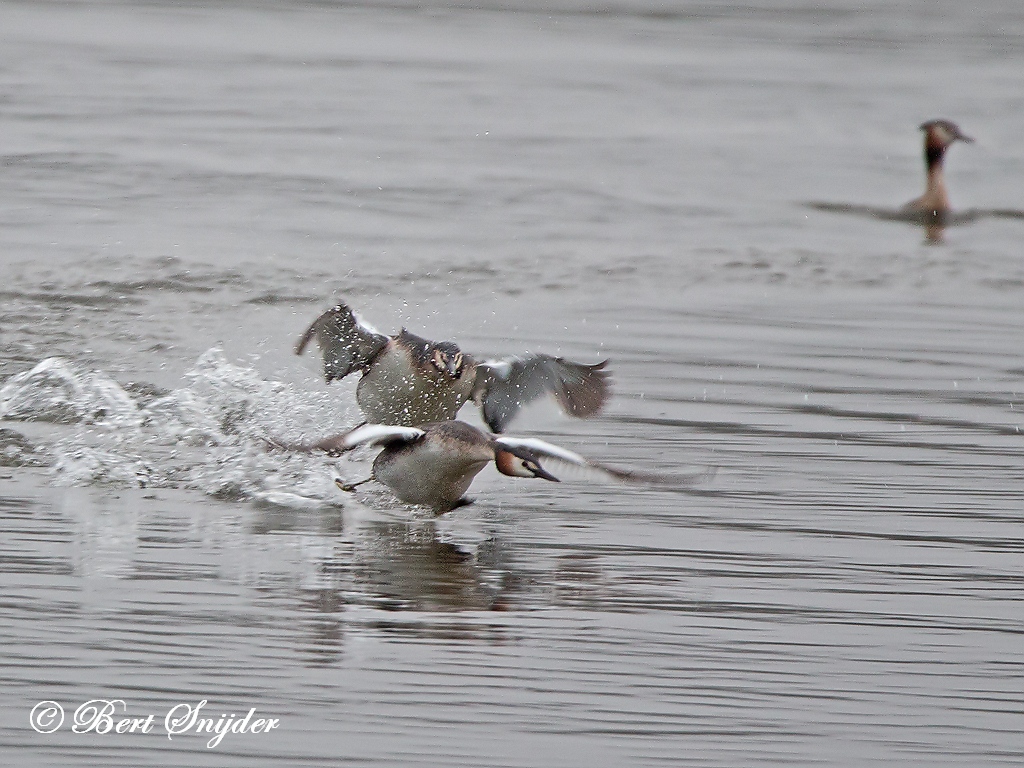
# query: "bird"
{"type": "Point", "coordinates": [407, 380]}
{"type": "Point", "coordinates": [434, 464]}
{"type": "Point", "coordinates": [933, 205]}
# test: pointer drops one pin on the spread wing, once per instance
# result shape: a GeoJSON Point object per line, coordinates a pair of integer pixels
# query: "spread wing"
{"type": "Point", "coordinates": [502, 387]}
{"type": "Point", "coordinates": [367, 434]}
{"type": "Point", "coordinates": [545, 450]}
{"type": "Point", "coordinates": [347, 344]}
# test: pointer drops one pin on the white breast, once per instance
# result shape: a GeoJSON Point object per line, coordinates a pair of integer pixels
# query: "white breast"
{"type": "Point", "coordinates": [429, 473]}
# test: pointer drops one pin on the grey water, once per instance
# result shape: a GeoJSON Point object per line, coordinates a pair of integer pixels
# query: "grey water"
{"type": "Point", "coordinates": [184, 186]}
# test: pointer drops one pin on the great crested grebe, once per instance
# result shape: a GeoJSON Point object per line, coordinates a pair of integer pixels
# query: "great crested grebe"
{"type": "Point", "coordinates": [408, 380]}
{"type": "Point", "coordinates": [933, 205]}
{"type": "Point", "coordinates": [434, 464]}
{"type": "Point", "coordinates": [932, 208]}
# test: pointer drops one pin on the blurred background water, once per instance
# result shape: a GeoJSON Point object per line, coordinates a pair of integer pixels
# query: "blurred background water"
{"type": "Point", "coordinates": [186, 185]}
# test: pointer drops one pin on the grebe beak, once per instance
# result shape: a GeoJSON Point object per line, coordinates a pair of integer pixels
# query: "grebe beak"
{"type": "Point", "coordinates": [543, 474]}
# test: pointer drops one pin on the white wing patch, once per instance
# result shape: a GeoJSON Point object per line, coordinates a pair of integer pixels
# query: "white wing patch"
{"type": "Point", "coordinates": [370, 434]}
{"type": "Point", "coordinates": [543, 448]}
{"type": "Point", "coordinates": [500, 368]}
{"type": "Point", "coordinates": [366, 326]}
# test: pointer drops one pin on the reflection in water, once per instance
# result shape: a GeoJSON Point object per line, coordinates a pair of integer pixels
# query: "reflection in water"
{"type": "Point", "coordinates": [408, 567]}
{"type": "Point", "coordinates": [934, 223]}
{"type": "Point", "coordinates": [314, 567]}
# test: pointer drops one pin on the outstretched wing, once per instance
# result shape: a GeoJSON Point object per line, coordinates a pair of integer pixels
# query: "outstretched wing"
{"type": "Point", "coordinates": [367, 434]}
{"type": "Point", "coordinates": [502, 387]}
{"type": "Point", "coordinates": [545, 450]}
{"type": "Point", "coordinates": [347, 344]}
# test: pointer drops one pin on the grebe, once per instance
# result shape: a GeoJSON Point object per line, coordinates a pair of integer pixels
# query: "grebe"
{"type": "Point", "coordinates": [408, 380]}
{"type": "Point", "coordinates": [933, 205]}
{"type": "Point", "coordinates": [434, 464]}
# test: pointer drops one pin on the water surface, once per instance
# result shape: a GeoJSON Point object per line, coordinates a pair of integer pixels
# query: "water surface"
{"type": "Point", "coordinates": [187, 187]}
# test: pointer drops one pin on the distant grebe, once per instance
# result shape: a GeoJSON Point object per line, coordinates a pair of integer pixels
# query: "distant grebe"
{"type": "Point", "coordinates": [933, 205]}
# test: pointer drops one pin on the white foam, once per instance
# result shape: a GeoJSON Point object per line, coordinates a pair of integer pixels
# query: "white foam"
{"type": "Point", "coordinates": [59, 391]}
{"type": "Point", "coordinates": [208, 435]}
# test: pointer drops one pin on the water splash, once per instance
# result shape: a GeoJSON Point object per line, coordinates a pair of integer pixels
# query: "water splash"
{"type": "Point", "coordinates": [58, 391]}
{"type": "Point", "coordinates": [209, 435]}
{"type": "Point", "coordinates": [17, 451]}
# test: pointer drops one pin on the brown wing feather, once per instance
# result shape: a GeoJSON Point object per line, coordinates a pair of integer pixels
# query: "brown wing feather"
{"type": "Point", "coordinates": [503, 387]}
{"type": "Point", "coordinates": [347, 344]}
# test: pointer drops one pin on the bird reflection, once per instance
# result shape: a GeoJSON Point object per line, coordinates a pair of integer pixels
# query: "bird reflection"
{"type": "Point", "coordinates": [396, 568]}
{"type": "Point", "coordinates": [308, 582]}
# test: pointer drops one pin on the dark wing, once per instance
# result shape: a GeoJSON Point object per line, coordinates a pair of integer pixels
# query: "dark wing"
{"type": "Point", "coordinates": [503, 386]}
{"type": "Point", "coordinates": [347, 344]}
{"type": "Point", "coordinates": [367, 434]}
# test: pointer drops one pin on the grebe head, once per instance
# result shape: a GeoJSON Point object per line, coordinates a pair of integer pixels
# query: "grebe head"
{"type": "Point", "coordinates": [520, 462]}
{"type": "Point", "coordinates": [942, 133]}
{"type": "Point", "coordinates": [447, 358]}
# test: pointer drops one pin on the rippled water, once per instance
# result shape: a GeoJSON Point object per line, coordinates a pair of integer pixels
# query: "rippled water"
{"type": "Point", "coordinates": [186, 187]}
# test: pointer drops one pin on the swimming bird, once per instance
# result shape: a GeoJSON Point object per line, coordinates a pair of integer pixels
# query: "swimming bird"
{"type": "Point", "coordinates": [434, 464]}
{"type": "Point", "coordinates": [933, 205]}
{"type": "Point", "coordinates": [407, 380]}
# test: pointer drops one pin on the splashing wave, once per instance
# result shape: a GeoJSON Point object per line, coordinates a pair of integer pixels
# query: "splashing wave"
{"type": "Point", "coordinates": [209, 435]}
